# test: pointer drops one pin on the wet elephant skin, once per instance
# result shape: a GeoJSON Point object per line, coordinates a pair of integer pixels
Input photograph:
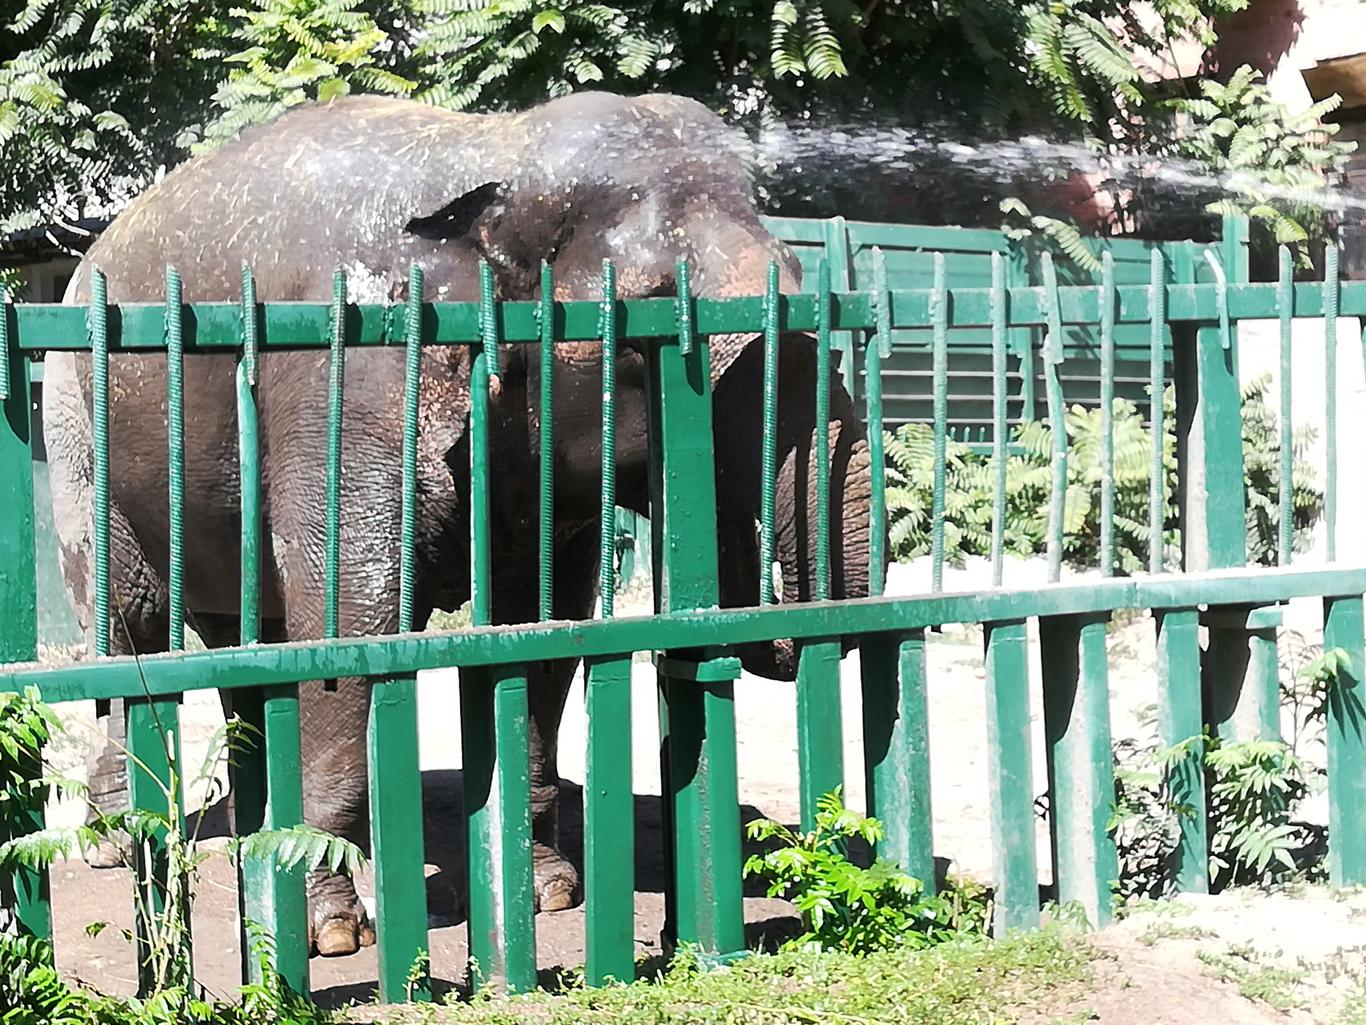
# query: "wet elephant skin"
{"type": "Point", "coordinates": [374, 185]}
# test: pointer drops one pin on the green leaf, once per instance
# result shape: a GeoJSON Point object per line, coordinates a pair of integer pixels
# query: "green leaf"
{"type": "Point", "coordinates": [551, 19]}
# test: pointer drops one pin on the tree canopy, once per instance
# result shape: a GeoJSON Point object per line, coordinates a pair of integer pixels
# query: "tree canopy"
{"type": "Point", "coordinates": [97, 96]}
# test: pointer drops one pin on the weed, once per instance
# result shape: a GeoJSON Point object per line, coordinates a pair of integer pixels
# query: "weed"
{"type": "Point", "coordinates": [843, 906]}
{"type": "Point", "coordinates": [162, 898]}
{"type": "Point", "coordinates": [1166, 930]}
{"type": "Point", "coordinates": [1253, 790]}
{"type": "Point", "coordinates": [1264, 983]}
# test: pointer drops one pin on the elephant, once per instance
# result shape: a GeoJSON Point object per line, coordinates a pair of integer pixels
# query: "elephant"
{"type": "Point", "coordinates": [374, 185]}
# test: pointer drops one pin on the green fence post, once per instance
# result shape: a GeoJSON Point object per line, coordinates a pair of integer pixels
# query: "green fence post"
{"type": "Point", "coordinates": [609, 825]}
{"type": "Point", "coordinates": [396, 838]}
{"type": "Point", "coordinates": [24, 892]}
{"type": "Point", "coordinates": [1342, 628]}
{"type": "Point", "coordinates": [1081, 782]}
{"type": "Point", "coordinates": [267, 786]}
{"type": "Point", "coordinates": [896, 749]}
{"type": "Point", "coordinates": [496, 727]}
{"type": "Point", "coordinates": [1181, 721]}
{"type": "Point", "coordinates": [1210, 435]}
{"type": "Point", "coordinates": [697, 691]}
{"type": "Point", "coordinates": [1010, 770]}
{"type": "Point", "coordinates": [820, 735]}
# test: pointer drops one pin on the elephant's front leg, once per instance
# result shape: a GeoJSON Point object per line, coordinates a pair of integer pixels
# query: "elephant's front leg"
{"type": "Point", "coordinates": [557, 881]}
{"type": "Point", "coordinates": [575, 589]}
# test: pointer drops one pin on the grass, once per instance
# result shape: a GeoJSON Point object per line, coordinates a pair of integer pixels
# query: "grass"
{"type": "Point", "coordinates": [1275, 987]}
{"type": "Point", "coordinates": [967, 982]}
{"type": "Point", "coordinates": [1166, 930]}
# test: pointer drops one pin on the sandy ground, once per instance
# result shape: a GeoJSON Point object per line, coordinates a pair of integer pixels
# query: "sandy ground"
{"type": "Point", "coordinates": [768, 786]}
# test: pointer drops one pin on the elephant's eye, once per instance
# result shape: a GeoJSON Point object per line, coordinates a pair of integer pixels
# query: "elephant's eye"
{"type": "Point", "coordinates": [665, 288]}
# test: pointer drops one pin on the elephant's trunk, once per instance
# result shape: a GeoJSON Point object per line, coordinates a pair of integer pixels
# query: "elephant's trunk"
{"type": "Point", "coordinates": [796, 522]}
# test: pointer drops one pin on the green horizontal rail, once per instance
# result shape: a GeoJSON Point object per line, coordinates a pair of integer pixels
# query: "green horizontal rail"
{"type": "Point", "coordinates": [401, 654]}
{"type": "Point", "coordinates": [206, 326]}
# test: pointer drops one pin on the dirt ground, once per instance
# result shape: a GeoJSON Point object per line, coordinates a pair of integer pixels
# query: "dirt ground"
{"type": "Point", "coordinates": [768, 786]}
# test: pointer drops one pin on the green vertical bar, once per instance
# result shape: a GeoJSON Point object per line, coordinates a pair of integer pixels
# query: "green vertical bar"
{"type": "Point", "coordinates": [683, 307]}
{"type": "Point", "coordinates": [266, 780]}
{"type": "Point", "coordinates": [1107, 414]}
{"type": "Point", "coordinates": [495, 727]}
{"type": "Point", "coordinates": [821, 439]}
{"type": "Point", "coordinates": [820, 738]}
{"type": "Point", "coordinates": [395, 775]}
{"type": "Point", "coordinates": [1022, 338]}
{"type": "Point", "coordinates": [896, 749]}
{"type": "Point", "coordinates": [99, 387]}
{"type": "Point", "coordinates": [697, 733]}
{"type": "Point", "coordinates": [268, 794]}
{"type": "Point", "coordinates": [175, 445]}
{"type": "Point", "coordinates": [697, 719]}
{"type": "Point", "coordinates": [609, 825]}
{"type": "Point", "coordinates": [1057, 421]}
{"type": "Point", "coordinates": [1332, 292]}
{"type": "Point", "coordinates": [1010, 774]}
{"type": "Point", "coordinates": [877, 349]}
{"type": "Point", "coordinates": [1285, 303]}
{"type": "Point", "coordinates": [488, 319]}
{"type": "Point", "coordinates": [1180, 720]}
{"type": "Point", "coordinates": [153, 739]}
{"type": "Point", "coordinates": [769, 456]}
{"type": "Point", "coordinates": [336, 379]}
{"type": "Point", "coordinates": [25, 892]}
{"type": "Point", "coordinates": [5, 361]}
{"type": "Point", "coordinates": [481, 563]}
{"type": "Point", "coordinates": [1209, 404]}
{"type": "Point", "coordinates": [1081, 783]}
{"type": "Point", "coordinates": [999, 314]}
{"type": "Point", "coordinates": [1342, 629]}
{"type": "Point", "coordinates": [607, 514]}
{"type": "Point", "coordinates": [837, 258]}
{"type": "Point", "coordinates": [545, 539]}
{"type": "Point", "coordinates": [1157, 334]}
{"type": "Point", "coordinates": [939, 317]}
{"type": "Point", "coordinates": [397, 839]}
{"type": "Point", "coordinates": [412, 394]}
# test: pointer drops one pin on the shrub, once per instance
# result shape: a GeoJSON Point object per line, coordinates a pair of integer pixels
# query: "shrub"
{"type": "Point", "coordinates": [846, 907]}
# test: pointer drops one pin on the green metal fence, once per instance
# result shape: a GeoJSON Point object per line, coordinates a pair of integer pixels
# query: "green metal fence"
{"type": "Point", "coordinates": [907, 370]}
{"type": "Point", "coordinates": [689, 637]}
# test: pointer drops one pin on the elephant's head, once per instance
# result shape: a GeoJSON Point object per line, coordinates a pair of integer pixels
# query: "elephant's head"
{"type": "Point", "coordinates": [649, 182]}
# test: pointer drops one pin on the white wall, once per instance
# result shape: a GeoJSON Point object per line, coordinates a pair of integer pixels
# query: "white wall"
{"type": "Point", "coordinates": [1259, 353]}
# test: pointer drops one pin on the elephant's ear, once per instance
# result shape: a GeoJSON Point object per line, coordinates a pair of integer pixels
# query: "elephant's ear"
{"type": "Point", "coordinates": [456, 218]}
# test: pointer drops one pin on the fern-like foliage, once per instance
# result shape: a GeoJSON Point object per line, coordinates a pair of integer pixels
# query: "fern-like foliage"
{"type": "Point", "coordinates": [1269, 160]}
{"type": "Point", "coordinates": [970, 488]}
{"type": "Point", "coordinates": [299, 50]}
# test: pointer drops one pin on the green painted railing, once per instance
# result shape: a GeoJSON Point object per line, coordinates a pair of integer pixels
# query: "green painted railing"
{"type": "Point", "coordinates": [909, 251]}
{"type": "Point", "coordinates": [689, 637]}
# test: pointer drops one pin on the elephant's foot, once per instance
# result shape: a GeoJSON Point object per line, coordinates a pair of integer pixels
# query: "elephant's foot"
{"type": "Point", "coordinates": [337, 922]}
{"type": "Point", "coordinates": [557, 883]}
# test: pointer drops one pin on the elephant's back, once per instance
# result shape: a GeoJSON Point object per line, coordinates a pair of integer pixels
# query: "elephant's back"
{"type": "Point", "coordinates": [324, 185]}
